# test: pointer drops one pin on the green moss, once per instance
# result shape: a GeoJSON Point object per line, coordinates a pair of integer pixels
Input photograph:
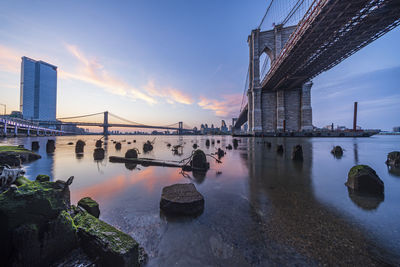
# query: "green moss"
{"type": "Point", "coordinates": [87, 201]}
{"type": "Point", "coordinates": [42, 178]}
{"type": "Point", "coordinates": [22, 180]}
{"type": "Point", "coordinates": [354, 170]}
{"type": "Point", "coordinates": [13, 149]}
{"type": "Point", "coordinates": [115, 240]}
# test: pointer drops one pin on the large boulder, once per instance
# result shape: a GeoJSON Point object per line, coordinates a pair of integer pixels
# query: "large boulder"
{"type": "Point", "coordinates": [14, 156]}
{"type": "Point", "coordinates": [181, 199]}
{"type": "Point", "coordinates": [106, 244]}
{"type": "Point", "coordinates": [362, 178]}
{"type": "Point", "coordinates": [297, 153]}
{"type": "Point", "coordinates": [30, 209]}
{"type": "Point", "coordinates": [393, 159]}
{"type": "Point", "coordinates": [199, 160]}
{"type": "Point", "coordinates": [43, 178]}
{"type": "Point", "coordinates": [148, 146]}
{"type": "Point", "coordinates": [90, 206]}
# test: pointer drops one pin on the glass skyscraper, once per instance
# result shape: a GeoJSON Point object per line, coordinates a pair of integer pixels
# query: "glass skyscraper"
{"type": "Point", "coordinates": [38, 99]}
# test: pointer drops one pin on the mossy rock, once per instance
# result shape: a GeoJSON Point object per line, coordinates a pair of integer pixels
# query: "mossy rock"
{"type": "Point", "coordinates": [337, 151]}
{"type": "Point", "coordinates": [14, 155]}
{"type": "Point", "coordinates": [105, 243]}
{"type": "Point", "coordinates": [39, 245]}
{"type": "Point", "coordinates": [90, 206]}
{"type": "Point", "coordinates": [362, 178]}
{"type": "Point", "coordinates": [43, 178]}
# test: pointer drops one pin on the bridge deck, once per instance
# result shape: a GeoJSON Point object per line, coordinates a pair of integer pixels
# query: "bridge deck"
{"type": "Point", "coordinates": [331, 31]}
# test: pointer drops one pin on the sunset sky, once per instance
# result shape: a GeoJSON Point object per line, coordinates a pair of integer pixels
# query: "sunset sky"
{"type": "Point", "coordinates": [160, 62]}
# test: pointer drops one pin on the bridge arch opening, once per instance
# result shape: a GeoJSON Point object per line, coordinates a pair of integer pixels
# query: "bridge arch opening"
{"type": "Point", "coordinates": [266, 58]}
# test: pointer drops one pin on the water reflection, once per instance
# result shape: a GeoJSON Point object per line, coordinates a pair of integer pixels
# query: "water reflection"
{"type": "Point", "coordinates": [355, 149]}
{"type": "Point", "coordinates": [365, 201]}
{"type": "Point", "coordinates": [394, 171]}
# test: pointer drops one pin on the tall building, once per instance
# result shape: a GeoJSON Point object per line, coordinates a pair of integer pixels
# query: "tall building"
{"type": "Point", "coordinates": [38, 97]}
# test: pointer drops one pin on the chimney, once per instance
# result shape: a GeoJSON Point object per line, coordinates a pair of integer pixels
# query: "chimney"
{"type": "Point", "coordinates": [355, 117]}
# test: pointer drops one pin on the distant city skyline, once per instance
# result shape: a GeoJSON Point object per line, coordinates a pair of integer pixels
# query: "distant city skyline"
{"type": "Point", "coordinates": [158, 63]}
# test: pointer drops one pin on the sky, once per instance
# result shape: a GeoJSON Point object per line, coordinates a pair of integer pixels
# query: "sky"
{"type": "Point", "coordinates": [160, 62]}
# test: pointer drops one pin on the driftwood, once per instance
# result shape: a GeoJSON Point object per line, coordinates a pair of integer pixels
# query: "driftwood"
{"type": "Point", "coordinates": [144, 162]}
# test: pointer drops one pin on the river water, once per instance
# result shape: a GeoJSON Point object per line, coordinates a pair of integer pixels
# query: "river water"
{"type": "Point", "coordinates": [261, 208]}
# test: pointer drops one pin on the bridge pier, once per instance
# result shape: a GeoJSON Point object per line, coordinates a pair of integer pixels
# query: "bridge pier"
{"type": "Point", "coordinates": [275, 110]}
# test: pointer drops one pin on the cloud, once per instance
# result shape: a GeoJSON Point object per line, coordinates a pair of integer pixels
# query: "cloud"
{"type": "Point", "coordinates": [91, 71]}
{"type": "Point", "coordinates": [227, 107]}
{"type": "Point", "coordinates": [171, 95]}
{"type": "Point", "coordinates": [9, 59]}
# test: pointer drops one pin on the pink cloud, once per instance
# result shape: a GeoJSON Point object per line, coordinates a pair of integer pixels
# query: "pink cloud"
{"type": "Point", "coordinates": [227, 107]}
{"type": "Point", "coordinates": [91, 71]}
{"type": "Point", "coordinates": [10, 59]}
{"type": "Point", "coordinates": [171, 95]}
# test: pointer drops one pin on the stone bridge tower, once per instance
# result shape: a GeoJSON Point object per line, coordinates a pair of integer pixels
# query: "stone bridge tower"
{"type": "Point", "coordinates": [275, 110]}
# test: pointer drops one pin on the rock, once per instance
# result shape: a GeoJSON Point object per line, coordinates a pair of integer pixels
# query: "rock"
{"type": "Point", "coordinates": [50, 146]}
{"type": "Point", "coordinates": [70, 143]}
{"type": "Point", "coordinates": [195, 146]}
{"type": "Point", "coordinates": [99, 143]}
{"type": "Point", "coordinates": [337, 151]}
{"type": "Point", "coordinates": [132, 153]}
{"type": "Point", "coordinates": [212, 142]}
{"type": "Point", "coordinates": [118, 146]}
{"type": "Point", "coordinates": [38, 245]}
{"type": "Point", "coordinates": [21, 180]}
{"type": "Point", "coordinates": [297, 153]}
{"type": "Point", "coordinates": [99, 154]}
{"type": "Point", "coordinates": [362, 178]}
{"type": "Point", "coordinates": [79, 146]}
{"type": "Point", "coordinates": [218, 141]}
{"type": "Point", "coordinates": [147, 146]}
{"type": "Point", "coordinates": [235, 143]}
{"type": "Point", "coordinates": [229, 147]}
{"type": "Point", "coordinates": [35, 145]}
{"type": "Point", "coordinates": [279, 149]}
{"type": "Point", "coordinates": [393, 159]}
{"type": "Point", "coordinates": [207, 142]}
{"type": "Point", "coordinates": [14, 156]}
{"type": "Point", "coordinates": [129, 143]}
{"type": "Point", "coordinates": [268, 144]}
{"type": "Point", "coordinates": [35, 204]}
{"type": "Point", "coordinates": [90, 206]}
{"type": "Point", "coordinates": [134, 141]}
{"type": "Point", "coordinates": [168, 145]}
{"type": "Point", "coordinates": [199, 160]}
{"type": "Point", "coordinates": [220, 153]}
{"type": "Point", "coordinates": [181, 199]}
{"type": "Point", "coordinates": [101, 241]}
{"type": "Point", "coordinates": [43, 178]}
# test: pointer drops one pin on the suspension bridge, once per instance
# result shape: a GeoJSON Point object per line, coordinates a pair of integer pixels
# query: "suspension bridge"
{"type": "Point", "coordinates": [297, 40]}
{"type": "Point", "coordinates": [119, 122]}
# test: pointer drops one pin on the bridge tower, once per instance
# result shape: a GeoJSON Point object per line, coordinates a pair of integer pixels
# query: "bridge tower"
{"type": "Point", "coordinates": [180, 131]}
{"type": "Point", "coordinates": [105, 124]}
{"type": "Point", "coordinates": [271, 110]}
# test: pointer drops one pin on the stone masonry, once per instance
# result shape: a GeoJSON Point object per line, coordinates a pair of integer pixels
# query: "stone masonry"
{"type": "Point", "coordinates": [275, 110]}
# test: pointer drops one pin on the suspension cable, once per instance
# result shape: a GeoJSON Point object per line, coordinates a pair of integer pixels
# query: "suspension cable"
{"type": "Point", "coordinates": [75, 117]}
{"type": "Point", "coordinates": [293, 11]}
{"type": "Point", "coordinates": [265, 15]}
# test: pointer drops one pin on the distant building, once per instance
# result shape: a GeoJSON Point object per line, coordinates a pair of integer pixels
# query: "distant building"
{"type": "Point", "coordinates": [396, 129]}
{"type": "Point", "coordinates": [38, 95]}
{"type": "Point", "coordinates": [16, 114]}
{"type": "Point", "coordinates": [224, 128]}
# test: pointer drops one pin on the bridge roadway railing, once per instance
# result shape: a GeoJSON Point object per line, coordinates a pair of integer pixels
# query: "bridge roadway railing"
{"type": "Point", "coordinates": [330, 31]}
{"type": "Point", "coordinates": [22, 124]}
